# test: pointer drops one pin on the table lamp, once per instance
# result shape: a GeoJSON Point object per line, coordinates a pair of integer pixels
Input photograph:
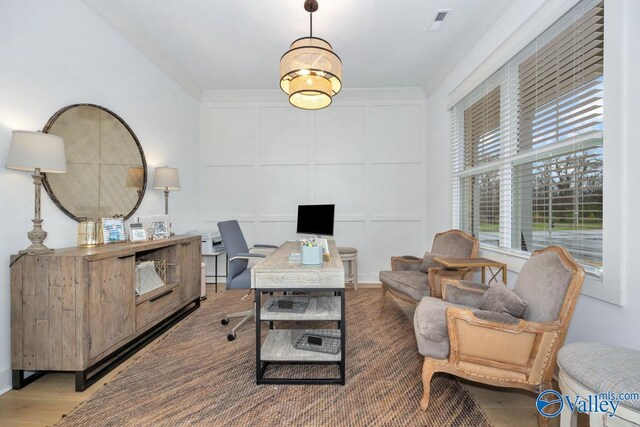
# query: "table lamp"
{"type": "Point", "coordinates": [37, 152]}
{"type": "Point", "coordinates": [166, 178]}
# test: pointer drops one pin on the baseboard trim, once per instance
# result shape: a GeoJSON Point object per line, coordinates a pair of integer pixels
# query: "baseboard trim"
{"type": "Point", "coordinates": [372, 285]}
{"type": "Point", "coordinates": [5, 381]}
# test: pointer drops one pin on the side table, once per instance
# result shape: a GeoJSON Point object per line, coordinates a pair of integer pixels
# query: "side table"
{"type": "Point", "coordinates": [485, 264]}
{"type": "Point", "coordinates": [215, 254]}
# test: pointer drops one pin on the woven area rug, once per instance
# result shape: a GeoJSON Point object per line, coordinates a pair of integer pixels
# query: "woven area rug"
{"type": "Point", "coordinates": [194, 376]}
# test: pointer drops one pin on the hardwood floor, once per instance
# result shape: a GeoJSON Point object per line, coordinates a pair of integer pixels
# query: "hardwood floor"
{"type": "Point", "coordinates": [45, 401]}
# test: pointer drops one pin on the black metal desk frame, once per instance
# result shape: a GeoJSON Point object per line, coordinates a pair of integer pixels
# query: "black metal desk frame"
{"type": "Point", "coordinates": [261, 366]}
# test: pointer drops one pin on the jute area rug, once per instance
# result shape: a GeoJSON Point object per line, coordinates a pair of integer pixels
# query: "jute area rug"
{"type": "Point", "coordinates": [194, 376]}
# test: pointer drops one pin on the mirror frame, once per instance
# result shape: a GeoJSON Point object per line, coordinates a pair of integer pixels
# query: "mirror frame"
{"type": "Point", "coordinates": [45, 181]}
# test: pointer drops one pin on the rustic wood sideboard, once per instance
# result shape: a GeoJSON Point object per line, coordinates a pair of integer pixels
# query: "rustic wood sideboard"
{"type": "Point", "coordinates": [77, 309]}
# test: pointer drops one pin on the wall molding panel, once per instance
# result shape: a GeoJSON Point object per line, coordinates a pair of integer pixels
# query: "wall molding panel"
{"type": "Point", "coordinates": [261, 157]}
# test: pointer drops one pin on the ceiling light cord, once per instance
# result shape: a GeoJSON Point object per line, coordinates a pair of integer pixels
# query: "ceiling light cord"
{"type": "Point", "coordinates": [311, 25]}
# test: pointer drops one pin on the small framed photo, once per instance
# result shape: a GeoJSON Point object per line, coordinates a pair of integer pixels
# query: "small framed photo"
{"type": "Point", "coordinates": [113, 230]}
{"type": "Point", "coordinates": [148, 224]}
{"type": "Point", "coordinates": [160, 230]}
{"type": "Point", "coordinates": [137, 233]}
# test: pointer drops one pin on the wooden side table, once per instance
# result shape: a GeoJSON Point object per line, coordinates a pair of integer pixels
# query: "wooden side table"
{"type": "Point", "coordinates": [485, 264]}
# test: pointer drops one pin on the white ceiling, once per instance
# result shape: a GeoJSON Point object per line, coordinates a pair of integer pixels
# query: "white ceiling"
{"type": "Point", "coordinates": [230, 44]}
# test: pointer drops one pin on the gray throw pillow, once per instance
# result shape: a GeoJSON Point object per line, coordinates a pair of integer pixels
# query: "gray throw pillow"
{"type": "Point", "coordinates": [428, 262]}
{"type": "Point", "coordinates": [500, 299]}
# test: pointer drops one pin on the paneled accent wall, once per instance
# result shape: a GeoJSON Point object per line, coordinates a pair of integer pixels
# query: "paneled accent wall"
{"type": "Point", "coordinates": [366, 153]}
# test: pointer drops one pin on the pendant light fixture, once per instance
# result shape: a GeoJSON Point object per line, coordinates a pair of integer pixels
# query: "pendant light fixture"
{"type": "Point", "coordinates": [310, 72]}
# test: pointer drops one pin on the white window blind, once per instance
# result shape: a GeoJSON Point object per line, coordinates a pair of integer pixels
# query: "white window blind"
{"type": "Point", "coordinates": [527, 144]}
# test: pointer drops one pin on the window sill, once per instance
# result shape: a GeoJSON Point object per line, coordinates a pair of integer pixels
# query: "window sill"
{"type": "Point", "coordinates": [594, 286]}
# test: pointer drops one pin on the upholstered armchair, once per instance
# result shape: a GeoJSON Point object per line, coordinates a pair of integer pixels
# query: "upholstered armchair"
{"type": "Point", "coordinates": [412, 278]}
{"type": "Point", "coordinates": [474, 331]}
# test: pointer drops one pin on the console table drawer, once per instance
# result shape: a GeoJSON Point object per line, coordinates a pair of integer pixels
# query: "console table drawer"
{"type": "Point", "coordinates": [155, 308]}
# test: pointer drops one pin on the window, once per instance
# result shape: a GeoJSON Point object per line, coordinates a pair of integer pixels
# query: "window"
{"type": "Point", "coordinates": [528, 145]}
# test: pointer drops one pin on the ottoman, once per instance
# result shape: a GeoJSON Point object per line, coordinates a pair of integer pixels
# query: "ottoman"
{"type": "Point", "coordinates": [590, 368]}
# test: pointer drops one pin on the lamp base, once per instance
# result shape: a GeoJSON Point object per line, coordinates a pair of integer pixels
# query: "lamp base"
{"type": "Point", "coordinates": [37, 236]}
{"type": "Point", "coordinates": [36, 250]}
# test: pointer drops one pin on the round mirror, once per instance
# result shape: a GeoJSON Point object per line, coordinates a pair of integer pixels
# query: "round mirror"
{"type": "Point", "coordinates": [106, 169]}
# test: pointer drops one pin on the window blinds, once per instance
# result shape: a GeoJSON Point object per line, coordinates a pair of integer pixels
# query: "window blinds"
{"type": "Point", "coordinates": [527, 144]}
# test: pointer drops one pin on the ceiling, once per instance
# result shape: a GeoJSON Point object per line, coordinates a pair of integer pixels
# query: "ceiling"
{"type": "Point", "coordinates": [229, 44]}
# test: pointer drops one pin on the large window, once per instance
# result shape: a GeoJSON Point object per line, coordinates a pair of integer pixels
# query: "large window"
{"type": "Point", "coordinates": [528, 145]}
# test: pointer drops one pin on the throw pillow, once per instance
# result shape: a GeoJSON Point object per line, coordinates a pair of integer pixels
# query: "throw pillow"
{"type": "Point", "coordinates": [500, 299]}
{"type": "Point", "coordinates": [428, 262]}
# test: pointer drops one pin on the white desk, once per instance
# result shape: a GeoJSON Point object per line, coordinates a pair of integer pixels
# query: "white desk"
{"type": "Point", "coordinates": [276, 273]}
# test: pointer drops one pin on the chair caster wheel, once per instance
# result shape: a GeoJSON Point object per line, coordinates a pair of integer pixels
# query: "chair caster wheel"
{"type": "Point", "coordinates": [231, 337]}
{"type": "Point", "coordinates": [225, 321]}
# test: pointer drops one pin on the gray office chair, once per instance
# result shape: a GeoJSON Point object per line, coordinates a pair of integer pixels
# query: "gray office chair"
{"type": "Point", "coordinates": [238, 275]}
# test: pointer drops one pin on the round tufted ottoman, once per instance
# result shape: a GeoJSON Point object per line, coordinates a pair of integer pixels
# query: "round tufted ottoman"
{"type": "Point", "coordinates": [349, 255]}
{"type": "Point", "coordinates": [590, 368]}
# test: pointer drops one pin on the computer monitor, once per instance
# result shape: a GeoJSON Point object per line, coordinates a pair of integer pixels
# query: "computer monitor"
{"type": "Point", "coordinates": [315, 219]}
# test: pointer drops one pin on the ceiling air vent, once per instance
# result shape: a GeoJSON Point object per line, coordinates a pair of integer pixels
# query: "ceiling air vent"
{"type": "Point", "coordinates": [438, 20]}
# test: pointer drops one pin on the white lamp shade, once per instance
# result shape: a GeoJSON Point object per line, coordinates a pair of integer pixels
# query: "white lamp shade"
{"type": "Point", "coordinates": [32, 150]}
{"type": "Point", "coordinates": [166, 178]}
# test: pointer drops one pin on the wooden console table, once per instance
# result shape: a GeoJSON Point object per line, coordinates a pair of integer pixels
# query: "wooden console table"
{"type": "Point", "coordinates": [276, 273]}
{"type": "Point", "coordinates": [471, 263]}
{"type": "Point", "coordinates": [77, 310]}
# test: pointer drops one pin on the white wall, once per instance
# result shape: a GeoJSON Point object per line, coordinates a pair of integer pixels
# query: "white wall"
{"type": "Point", "coordinates": [261, 157]}
{"type": "Point", "coordinates": [594, 320]}
{"type": "Point", "coordinates": [56, 53]}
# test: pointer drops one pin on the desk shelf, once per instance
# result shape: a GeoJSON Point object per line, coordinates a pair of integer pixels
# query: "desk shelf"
{"type": "Point", "coordinates": [320, 308]}
{"type": "Point", "coordinates": [278, 347]}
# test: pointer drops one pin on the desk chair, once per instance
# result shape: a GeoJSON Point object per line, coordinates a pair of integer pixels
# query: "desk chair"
{"type": "Point", "coordinates": [238, 272]}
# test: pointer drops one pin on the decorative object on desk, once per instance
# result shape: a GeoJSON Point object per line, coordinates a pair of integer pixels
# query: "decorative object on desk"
{"type": "Point", "coordinates": [150, 275]}
{"type": "Point", "coordinates": [137, 233]}
{"type": "Point", "coordinates": [294, 257]}
{"type": "Point", "coordinates": [320, 340]}
{"type": "Point", "coordinates": [112, 230]}
{"type": "Point", "coordinates": [147, 222]}
{"type": "Point", "coordinates": [311, 252]}
{"type": "Point", "coordinates": [166, 179]}
{"type": "Point", "coordinates": [37, 152]}
{"type": "Point", "coordinates": [87, 233]}
{"type": "Point", "coordinates": [160, 230]}
{"type": "Point", "coordinates": [136, 178]}
{"type": "Point", "coordinates": [100, 148]}
{"type": "Point", "coordinates": [310, 72]}
{"type": "Point", "coordinates": [298, 304]}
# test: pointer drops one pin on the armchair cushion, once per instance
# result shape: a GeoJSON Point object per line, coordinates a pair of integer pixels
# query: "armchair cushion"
{"type": "Point", "coordinates": [430, 325]}
{"type": "Point", "coordinates": [500, 299]}
{"type": "Point", "coordinates": [464, 292]}
{"type": "Point", "coordinates": [428, 262]}
{"type": "Point", "coordinates": [492, 316]}
{"type": "Point", "coordinates": [413, 284]}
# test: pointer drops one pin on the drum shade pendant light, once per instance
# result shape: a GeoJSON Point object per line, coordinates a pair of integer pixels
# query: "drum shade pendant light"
{"type": "Point", "coordinates": [310, 72]}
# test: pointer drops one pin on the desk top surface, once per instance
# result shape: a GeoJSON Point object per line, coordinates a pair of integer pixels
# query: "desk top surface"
{"type": "Point", "coordinates": [278, 261]}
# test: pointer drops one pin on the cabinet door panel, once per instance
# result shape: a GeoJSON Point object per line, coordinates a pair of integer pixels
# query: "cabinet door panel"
{"type": "Point", "coordinates": [111, 302]}
{"type": "Point", "coordinates": [190, 261]}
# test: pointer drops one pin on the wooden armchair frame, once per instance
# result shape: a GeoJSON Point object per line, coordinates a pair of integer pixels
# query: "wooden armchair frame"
{"type": "Point", "coordinates": [435, 273]}
{"type": "Point", "coordinates": [521, 355]}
